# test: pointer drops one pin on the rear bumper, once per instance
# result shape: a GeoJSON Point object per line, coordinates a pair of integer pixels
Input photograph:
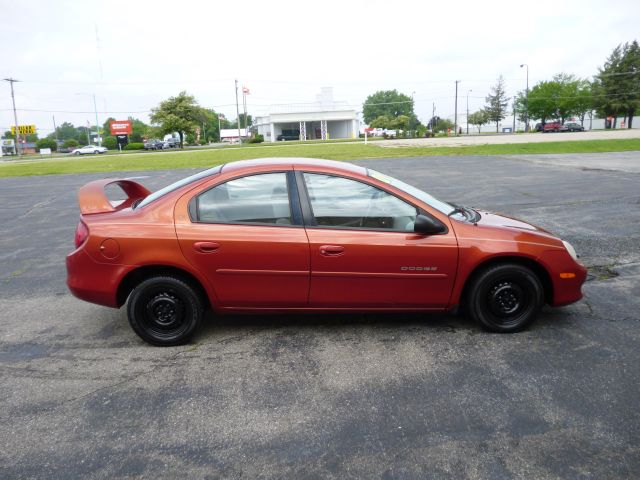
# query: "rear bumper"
{"type": "Point", "coordinates": [93, 281]}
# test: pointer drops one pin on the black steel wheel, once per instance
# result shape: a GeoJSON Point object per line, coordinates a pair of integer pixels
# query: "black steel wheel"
{"type": "Point", "coordinates": [505, 298]}
{"type": "Point", "coordinates": [165, 311]}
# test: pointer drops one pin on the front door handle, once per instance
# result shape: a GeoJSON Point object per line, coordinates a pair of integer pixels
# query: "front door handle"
{"type": "Point", "coordinates": [206, 247]}
{"type": "Point", "coordinates": [331, 250]}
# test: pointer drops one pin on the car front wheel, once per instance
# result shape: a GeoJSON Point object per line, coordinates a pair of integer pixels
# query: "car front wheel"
{"type": "Point", "coordinates": [165, 311]}
{"type": "Point", "coordinates": [505, 298]}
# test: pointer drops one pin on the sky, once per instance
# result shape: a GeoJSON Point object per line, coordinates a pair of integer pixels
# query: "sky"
{"type": "Point", "coordinates": [132, 55]}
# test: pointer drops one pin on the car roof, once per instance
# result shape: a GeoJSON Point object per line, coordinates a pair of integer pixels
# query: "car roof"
{"type": "Point", "coordinates": [294, 161]}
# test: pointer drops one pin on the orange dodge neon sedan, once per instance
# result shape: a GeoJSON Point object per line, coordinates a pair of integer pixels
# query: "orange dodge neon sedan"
{"type": "Point", "coordinates": [283, 234]}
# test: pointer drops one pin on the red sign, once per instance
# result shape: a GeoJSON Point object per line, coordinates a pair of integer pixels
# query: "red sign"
{"type": "Point", "coordinates": [121, 127]}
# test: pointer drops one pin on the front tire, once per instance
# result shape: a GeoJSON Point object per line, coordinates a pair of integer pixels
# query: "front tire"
{"type": "Point", "coordinates": [505, 298]}
{"type": "Point", "coordinates": [165, 311]}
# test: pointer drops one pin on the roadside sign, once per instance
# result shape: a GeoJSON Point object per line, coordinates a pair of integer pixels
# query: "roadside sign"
{"type": "Point", "coordinates": [23, 129]}
{"type": "Point", "coordinates": [121, 127]}
{"type": "Point", "coordinates": [45, 151]}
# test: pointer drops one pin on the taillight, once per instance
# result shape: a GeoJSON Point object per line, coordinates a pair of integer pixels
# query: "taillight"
{"type": "Point", "coordinates": [82, 232]}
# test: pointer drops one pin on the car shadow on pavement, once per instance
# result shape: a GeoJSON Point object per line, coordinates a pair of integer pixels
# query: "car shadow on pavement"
{"type": "Point", "coordinates": [403, 322]}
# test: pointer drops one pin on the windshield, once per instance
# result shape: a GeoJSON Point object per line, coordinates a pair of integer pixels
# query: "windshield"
{"type": "Point", "coordinates": [180, 183]}
{"type": "Point", "coordinates": [413, 191]}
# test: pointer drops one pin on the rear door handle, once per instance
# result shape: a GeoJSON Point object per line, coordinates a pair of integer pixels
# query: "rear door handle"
{"type": "Point", "coordinates": [331, 250]}
{"type": "Point", "coordinates": [206, 247]}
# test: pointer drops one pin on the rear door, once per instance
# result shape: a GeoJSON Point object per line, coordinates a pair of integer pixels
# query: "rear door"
{"type": "Point", "coordinates": [364, 253]}
{"type": "Point", "coordinates": [247, 237]}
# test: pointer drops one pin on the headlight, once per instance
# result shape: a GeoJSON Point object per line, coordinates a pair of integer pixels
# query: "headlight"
{"type": "Point", "coordinates": [570, 249]}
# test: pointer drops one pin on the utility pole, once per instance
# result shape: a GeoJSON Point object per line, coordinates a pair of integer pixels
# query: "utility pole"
{"type": "Point", "coordinates": [433, 119]}
{"type": "Point", "coordinates": [55, 129]}
{"type": "Point", "coordinates": [238, 113]}
{"type": "Point", "coordinates": [468, 110]}
{"type": "Point", "coordinates": [455, 121]}
{"type": "Point", "coordinates": [15, 115]}
{"type": "Point", "coordinates": [514, 115]}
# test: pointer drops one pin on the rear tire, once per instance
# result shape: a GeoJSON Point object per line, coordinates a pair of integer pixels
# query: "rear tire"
{"type": "Point", "coordinates": [165, 311]}
{"type": "Point", "coordinates": [505, 298]}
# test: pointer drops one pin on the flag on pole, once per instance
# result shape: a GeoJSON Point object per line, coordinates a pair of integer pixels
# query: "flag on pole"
{"type": "Point", "coordinates": [245, 90]}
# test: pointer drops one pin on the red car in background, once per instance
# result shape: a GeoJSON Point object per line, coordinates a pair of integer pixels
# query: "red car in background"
{"type": "Point", "coordinates": [554, 127]}
{"type": "Point", "coordinates": [277, 235]}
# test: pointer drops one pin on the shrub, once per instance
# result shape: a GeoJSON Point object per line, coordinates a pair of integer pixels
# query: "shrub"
{"type": "Point", "coordinates": [257, 139]}
{"type": "Point", "coordinates": [111, 143]}
{"type": "Point", "coordinates": [71, 143]}
{"type": "Point", "coordinates": [134, 146]}
{"type": "Point", "coordinates": [47, 143]}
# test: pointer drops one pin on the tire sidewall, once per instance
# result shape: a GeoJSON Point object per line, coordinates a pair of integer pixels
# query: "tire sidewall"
{"type": "Point", "coordinates": [184, 291]}
{"type": "Point", "coordinates": [486, 280]}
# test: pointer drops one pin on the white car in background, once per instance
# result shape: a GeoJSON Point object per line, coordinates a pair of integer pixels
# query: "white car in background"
{"type": "Point", "coordinates": [88, 150]}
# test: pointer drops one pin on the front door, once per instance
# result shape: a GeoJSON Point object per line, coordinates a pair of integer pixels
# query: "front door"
{"type": "Point", "coordinates": [244, 238]}
{"type": "Point", "coordinates": [364, 253]}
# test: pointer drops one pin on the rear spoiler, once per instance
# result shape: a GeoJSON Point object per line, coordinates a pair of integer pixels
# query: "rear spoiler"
{"type": "Point", "coordinates": [93, 199]}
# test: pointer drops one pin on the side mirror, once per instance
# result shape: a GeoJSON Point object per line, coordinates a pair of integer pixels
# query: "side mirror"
{"type": "Point", "coordinates": [427, 225]}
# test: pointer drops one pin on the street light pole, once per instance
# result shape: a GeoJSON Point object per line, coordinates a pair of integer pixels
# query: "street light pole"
{"type": "Point", "coordinates": [238, 113]}
{"type": "Point", "coordinates": [410, 118]}
{"type": "Point", "coordinates": [98, 137]}
{"type": "Point", "coordinates": [526, 101]}
{"type": "Point", "coordinates": [455, 121]}
{"type": "Point", "coordinates": [15, 115]}
{"type": "Point", "coordinates": [468, 110]}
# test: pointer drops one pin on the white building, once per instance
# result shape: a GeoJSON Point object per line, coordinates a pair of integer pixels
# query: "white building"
{"type": "Point", "coordinates": [231, 134]}
{"type": "Point", "coordinates": [323, 119]}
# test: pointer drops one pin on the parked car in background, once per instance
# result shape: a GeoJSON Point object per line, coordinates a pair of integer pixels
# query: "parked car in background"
{"type": "Point", "coordinates": [88, 150]}
{"type": "Point", "coordinates": [574, 127]}
{"type": "Point", "coordinates": [554, 127]}
{"type": "Point", "coordinates": [306, 235]}
{"type": "Point", "coordinates": [288, 134]}
{"type": "Point", "coordinates": [154, 145]}
{"type": "Point", "coordinates": [172, 143]}
{"type": "Point", "coordinates": [538, 127]}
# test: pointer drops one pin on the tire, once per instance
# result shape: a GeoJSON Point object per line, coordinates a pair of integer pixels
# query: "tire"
{"type": "Point", "coordinates": [165, 311]}
{"type": "Point", "coordinates": [77, 153]}
{"type": "Point", "coordinates": [505, 298]}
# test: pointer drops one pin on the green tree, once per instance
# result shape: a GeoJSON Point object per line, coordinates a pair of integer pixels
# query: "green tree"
{"type": "Point", "coordinates": [383, 121]}
{"type": "Point", "coordinates": [177, 114]}
{"type": "Point", "coordinates": [387, 102]}
{"type": "Point", "coordinates": [138, 131]}
{"type": "Point", "coordinates": [479, 118]}
{"type": "Point", "coordinates": [401, 122]}
{"type": "Point", "coordinates": [65, 131]}
{"type": "Point", "coordinates": [617, 84]}
{"type": "Point", "coordinates": [444, 125]}
{"type": "Point", "coordinates": [47, 143]}
{"type": "Point", "coordinates": [497, 102]}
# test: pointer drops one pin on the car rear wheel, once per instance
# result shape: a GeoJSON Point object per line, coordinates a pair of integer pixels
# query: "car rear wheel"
{"type": "Point", "coordinates": [505, 298]}
{"type": "Point", "coordinates": [165, 311]}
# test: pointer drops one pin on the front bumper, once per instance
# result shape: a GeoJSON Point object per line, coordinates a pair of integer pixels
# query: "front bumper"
{"type": "Point", "coordinates": [566, 288]}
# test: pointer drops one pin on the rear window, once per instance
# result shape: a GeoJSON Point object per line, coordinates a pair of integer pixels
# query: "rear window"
{"type": "Point", "coordinates": [179, 184]}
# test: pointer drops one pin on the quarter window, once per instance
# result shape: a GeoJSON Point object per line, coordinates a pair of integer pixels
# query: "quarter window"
{"type": "Point", "coordinates": [255, 199]}
{"type": "Point", "coordinates": [341, 202]}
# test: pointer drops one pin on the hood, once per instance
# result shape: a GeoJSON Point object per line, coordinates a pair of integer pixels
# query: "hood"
{"type": "Point", "coordinates": [496, 220]}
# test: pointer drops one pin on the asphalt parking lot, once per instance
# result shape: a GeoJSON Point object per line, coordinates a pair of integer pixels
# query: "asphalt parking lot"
{"type": "Point", "coordinates": [333, 396]}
